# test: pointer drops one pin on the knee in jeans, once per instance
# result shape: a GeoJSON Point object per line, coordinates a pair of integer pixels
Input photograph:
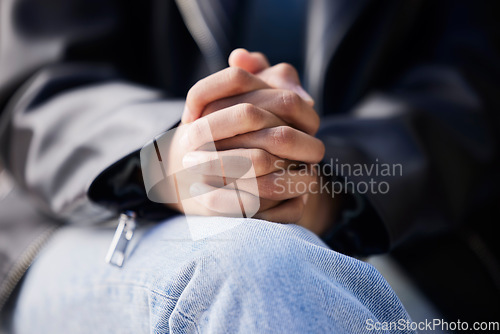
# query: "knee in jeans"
{"type": "Point", "coordinates": [261, 247]}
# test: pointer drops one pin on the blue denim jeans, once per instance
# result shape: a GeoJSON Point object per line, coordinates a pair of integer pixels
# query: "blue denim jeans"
{"type": "Point", "coordinates": [251, 277]}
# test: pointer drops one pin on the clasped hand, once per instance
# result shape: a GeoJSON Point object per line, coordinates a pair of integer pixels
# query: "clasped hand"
{"type": "Point", "coordinates": [262, 115]}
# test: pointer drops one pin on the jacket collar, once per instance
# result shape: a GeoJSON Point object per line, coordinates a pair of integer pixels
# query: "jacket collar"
{"type": "Point", "coordinates": [327, 25]}
{"type": "Point", "coordinates": [208, 23]}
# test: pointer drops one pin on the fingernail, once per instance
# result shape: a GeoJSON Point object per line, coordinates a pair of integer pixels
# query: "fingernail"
{"type": "Point", "coordinates": [241, 50]}
{"type": "Point", "coordinates": [304, 95]}
{"type": "Point", "coordinates": [190, 160]}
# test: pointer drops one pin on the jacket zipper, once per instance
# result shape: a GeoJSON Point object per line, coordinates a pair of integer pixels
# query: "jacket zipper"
{"type": "Point", "coordinates": [115, 256]}
{"type": "Point", "coordinates": [22, 264]}
{"type": "Point", "coordinates": [204, 38]}
{"type": "Point", "coordinates": [123, 235]}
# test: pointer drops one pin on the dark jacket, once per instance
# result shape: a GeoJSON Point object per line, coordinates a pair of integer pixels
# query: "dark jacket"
{"type": "Point", "coordinates": [85, 83]}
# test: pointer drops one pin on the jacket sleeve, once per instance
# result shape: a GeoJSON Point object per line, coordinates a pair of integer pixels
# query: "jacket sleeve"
{"type": "Point", "coordinates": [68, 119]}
{"type": "Point", "coordinates": [56, 143]}
{"type": "Point", "coordinates": [435, 127]}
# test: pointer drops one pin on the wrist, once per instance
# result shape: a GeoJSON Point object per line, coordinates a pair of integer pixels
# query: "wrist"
{"type": "Point", "coordinates": [321, 211]}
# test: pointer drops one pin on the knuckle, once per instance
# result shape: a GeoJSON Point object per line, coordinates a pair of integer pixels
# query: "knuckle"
{"type": "Point", "coordinates": [237, 76]}
{"type": "Point", "coordinates": [283, 136]}
{"type": "Point", "coordinates": [251, 115]}
{"type": "Point", "coordinates": [260, 55]}
{"type": "Point", "coordinates": [246, 113]}
{"type": "Point", "coordinates": [255, 114]}
{"type": "Point", "coordinates": [285, 69]}
{"type": "Point", "coordinates": [291, 100]}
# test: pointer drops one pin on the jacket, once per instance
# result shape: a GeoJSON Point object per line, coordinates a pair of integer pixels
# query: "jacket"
{"type": "Point", "coordinates": [85, 83]}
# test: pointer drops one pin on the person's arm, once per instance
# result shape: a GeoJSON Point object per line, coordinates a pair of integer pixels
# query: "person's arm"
{"type": "Point", "coordinates": [436, 124]}
{"type": "Point", "coordinates": [67, 114]}
{"type": "Point", "coordinates": [57, 142]}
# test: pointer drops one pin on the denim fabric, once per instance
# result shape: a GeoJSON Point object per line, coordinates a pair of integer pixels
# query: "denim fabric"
{"type": "Point", "coordinates": [253, 277]}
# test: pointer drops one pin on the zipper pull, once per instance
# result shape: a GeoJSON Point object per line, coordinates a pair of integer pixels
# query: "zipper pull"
{"type": "Point", "coordinates": [123, 234]}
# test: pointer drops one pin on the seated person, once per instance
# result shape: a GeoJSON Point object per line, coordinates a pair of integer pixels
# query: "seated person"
{"type": "Point", "coordinates": [100, 86]}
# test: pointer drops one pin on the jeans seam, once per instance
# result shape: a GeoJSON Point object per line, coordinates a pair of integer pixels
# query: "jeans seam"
{"type": "Point", "coordinates": [184, 316]}
{"type": "Point", "coordinates": [164, 295]}
{"type": "Point", "coordinates": [145, 287]}
{"type": "Point", "coordinates": [188, 319]}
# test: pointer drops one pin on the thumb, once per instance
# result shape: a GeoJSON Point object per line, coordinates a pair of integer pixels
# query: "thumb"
{"type": "Point", "coordinates": [285, 76]}
{"type": "Point", "coordinates": [282, 76]}
{"type": "Point", "coordinates": [252, 62]}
